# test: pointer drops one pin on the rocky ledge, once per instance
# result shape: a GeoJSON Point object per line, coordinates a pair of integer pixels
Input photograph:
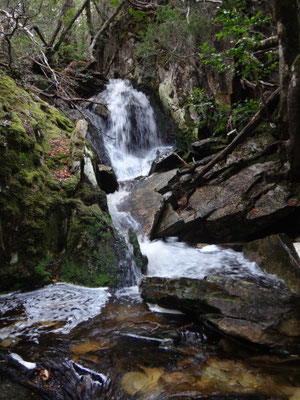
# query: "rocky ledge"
{"type": "Point", "coordinates": [264, 310]}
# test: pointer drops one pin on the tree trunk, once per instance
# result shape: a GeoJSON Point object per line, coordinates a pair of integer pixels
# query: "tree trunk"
{"type": "Point", "coordinates": [294, 119]}
{"type": "Point", "coordinates": [67, 5]}
{"type": "Point", "coordinates": [286, 16]}
{"type": "Point", "coordinates": [103, 29]}
{"type": "Point", "coordinates": [89, 19]}
{"type": "Point", "coordinates": [67, 30]}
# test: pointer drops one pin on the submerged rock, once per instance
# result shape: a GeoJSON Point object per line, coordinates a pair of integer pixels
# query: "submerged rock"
{"type": "Point", "coordinates": [251, 309]}
{"type": "Point", "coordinates": [276, 254]}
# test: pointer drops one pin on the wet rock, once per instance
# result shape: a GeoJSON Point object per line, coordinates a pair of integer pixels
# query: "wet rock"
{"type": "Point", "coordinates": [145, 382]}
{"type": "Point", "coordinates": [106, 178]}
{"type": "Point", "coordinates": [165, 163]}
{"type": "Point", "coordinates": [255, 310]}
{"type": "Point", "coordinates": [276, 254]}
{"type": "Point", "coordinates": [225, 376]}
{"type": "Point", "coordinates": [146, 201]}
{"type": "Point", "coordinates": [238, 208]}
{"type": "Point", "coordinates": [78, 144]}
{"type": "Point", "coordinates": [102, 110]}
{"type": "Point", "coordinates": [140, 259]}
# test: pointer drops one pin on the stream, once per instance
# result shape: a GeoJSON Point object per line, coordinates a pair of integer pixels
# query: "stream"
{"type": "Point", "coordinates": [69, 342]}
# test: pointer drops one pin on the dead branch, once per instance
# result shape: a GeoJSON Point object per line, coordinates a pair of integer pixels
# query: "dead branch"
{"type": "Point", "coordinates": [67, 29]}
{"type": "Point", "coordinates": [268, 107]}
{"type": "Point", "coordinates": [103, 29]}
{"type": "Point", "coordinates": [44, 58]}
{"type": "Point", "coordinates": [181, 159]}
{"type": "Point", "coordinates": [40, 35]}
{"type": "Point", "coordinates": [67, 99]}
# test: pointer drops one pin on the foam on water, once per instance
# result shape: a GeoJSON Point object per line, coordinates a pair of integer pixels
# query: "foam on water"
{"type": "Point", "coordinates": [174, 259]}
{"type": "Point", "coordinates": [58, 307]}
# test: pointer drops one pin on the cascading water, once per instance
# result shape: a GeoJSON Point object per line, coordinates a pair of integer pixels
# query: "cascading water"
{"type": "Point", "coordinates": [64, 341]}
{"type": "Point", "coordinates": [132, 143]}
{"type": "Point", "coordinates": [131, 138]}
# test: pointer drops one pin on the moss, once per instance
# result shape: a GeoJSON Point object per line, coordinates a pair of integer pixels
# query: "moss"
{"type": "Point", "coordinates": [91, 258]}
{"type": "Point", "coordinates": [45, 217]}
{"type": "Point", "coordinates": [91, 196]}
{"type": "Point", "coordinates": [70, 185]}
{"type": "Point", "coordinates": [140, 259]}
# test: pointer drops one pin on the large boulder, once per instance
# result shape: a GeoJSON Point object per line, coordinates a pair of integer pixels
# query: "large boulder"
{"type": "Point", "coordinates": [240, 207]}
{"type": "Point", "coordinates": [276, 254]}
{"type": "Point", "coordinates": [258, 311]}
{"type": "Point", "coordinates": [146, 200]}
{"type": "Point", "coordinates": [165, 163]}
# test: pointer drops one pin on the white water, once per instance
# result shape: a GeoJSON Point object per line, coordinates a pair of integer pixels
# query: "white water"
{"type": "Point", "coordinates": [58, 308]}
{"type": "Point", "coordinates": [134, 146]}
{"type": "Point", "coordinates": [131, 140]}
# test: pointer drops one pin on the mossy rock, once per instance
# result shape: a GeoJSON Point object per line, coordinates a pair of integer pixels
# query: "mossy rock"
{"type": "Point", "coordinates": [140, 259]}
{"type": "Point", "coordinates": [91, 257]}
{"type": "Point", "coordinates": [53, 224]}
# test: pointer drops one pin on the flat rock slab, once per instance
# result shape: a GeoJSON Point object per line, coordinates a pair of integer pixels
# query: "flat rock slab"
{"type": "Point", "coordinates": [146, 201]}
{"type": "Point", "coordinates": [249, 309]}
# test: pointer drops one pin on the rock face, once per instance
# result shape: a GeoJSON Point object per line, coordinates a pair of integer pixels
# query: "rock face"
{"type": "Point", "coordinates": [251, 310]}
{"type": "Point", "coordinates": [276, 254]}
{"type": "Point", "coordinates": [146, 200]}
{"type": "Point", "coordinates": [235, 202]}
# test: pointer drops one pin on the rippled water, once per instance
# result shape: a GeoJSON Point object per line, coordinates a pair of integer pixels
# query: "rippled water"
{"type": "Point", "coordinates": [59, 307]}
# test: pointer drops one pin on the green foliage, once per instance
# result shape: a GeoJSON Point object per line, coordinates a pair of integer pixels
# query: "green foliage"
{"type": "Point", "coordinates": [115, 3]}
{"type": "Point", "coordinates": [243, 111]}
{"type": "Point", "coordinates": [40, 272]}
{"type": "Point", "coordinates": [240, 33]}
{"type": "Point", "coordinates": [137, 14]}
{"type": "Point", "coordinates": [215, 117]}
{"type": "Point", "coordinates": [209, 112]}
{"type": "Point", "coordinates": [170, 35]}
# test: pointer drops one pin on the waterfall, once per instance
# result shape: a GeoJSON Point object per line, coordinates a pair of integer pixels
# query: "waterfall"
{"type": "Point", "coordinates": [132, 143]}
{"type": "Point", "coordinates": [131, 138]}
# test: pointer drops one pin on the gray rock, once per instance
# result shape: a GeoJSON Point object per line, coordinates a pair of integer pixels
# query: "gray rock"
{"type": "Point", "coordinates": [239, 208]}
{"type": "Point", "coordinates": [146, 200]}
{"type": "Point", "coordinates": [252, 310]}
{"type": "Point", "coordinates": [165, 163]}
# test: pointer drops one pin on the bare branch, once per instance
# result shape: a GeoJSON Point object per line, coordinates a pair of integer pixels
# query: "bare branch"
{"type": "Point", "coordinates": [103, 29]}
{"type": "Point", "coordinates": [67, 29]}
